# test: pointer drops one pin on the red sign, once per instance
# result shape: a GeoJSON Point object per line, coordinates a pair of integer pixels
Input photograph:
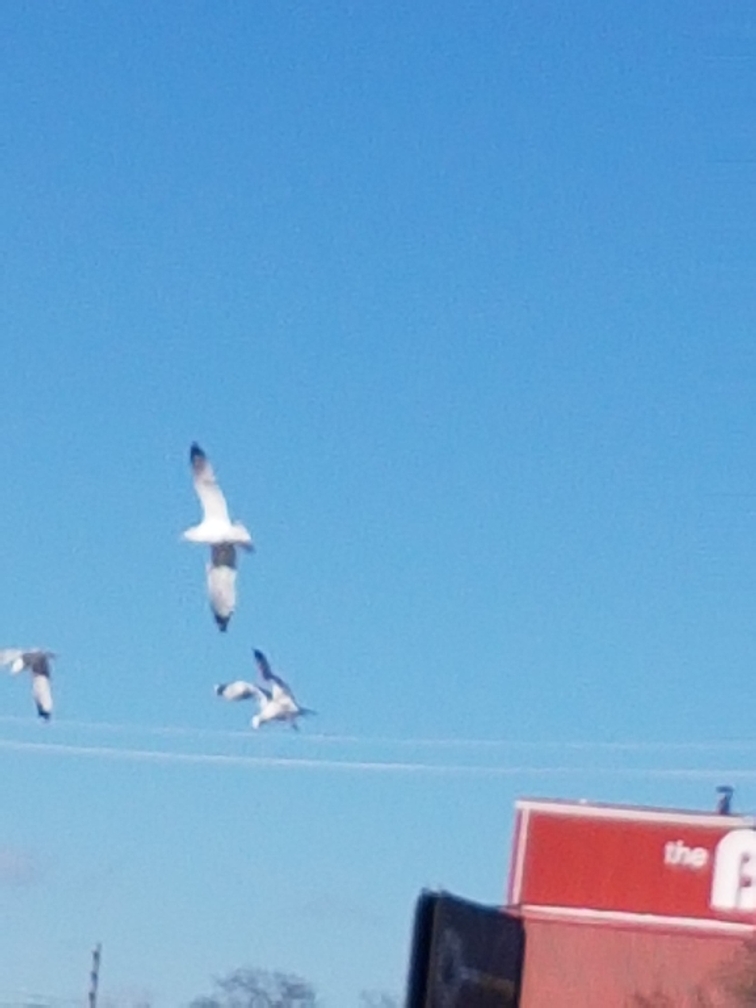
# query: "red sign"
{"type": "Point", "coordinates": [634, 860]}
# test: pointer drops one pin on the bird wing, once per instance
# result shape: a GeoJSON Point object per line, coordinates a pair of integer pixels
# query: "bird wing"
{"type": "Point", "coordinates": [278, 687]}
{"type": "Point", "coordinates": [260, 694]}
{"type": "Point", "coordinates": [210, 494]}
{"type": "Point", "coordinates": [42, 695]}
{"type": "Point", "coordinates": [263, 664]}
{"type": "Point", "coordinates": [221, 590]}
{"type": "Point", "coordinates": [11, 656]}
{"type": "Point", "coordinates": [241, 690]}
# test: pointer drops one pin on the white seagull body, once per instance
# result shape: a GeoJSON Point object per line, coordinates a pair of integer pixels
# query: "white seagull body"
{"type": "Point", "coordinates": [222, 535]}
{"type": "Point", "coordinates": [276, 700]}
{"type": "Point", "coordinates": [216, 528]}
{"type": "Point", "coordinates": [37, 661]}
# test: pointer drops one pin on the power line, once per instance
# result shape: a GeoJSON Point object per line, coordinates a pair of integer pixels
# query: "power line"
{"type": "Point", "coordinates": [368, 766]}
{"type": "Point", "coordinates": [170, 731]}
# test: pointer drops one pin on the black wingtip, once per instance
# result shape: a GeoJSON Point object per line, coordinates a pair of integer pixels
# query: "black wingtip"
{"type": "Point", "coordinates": [45, 715]}
{"type": "Point", "coordinates": [222, 622]}
{"type": "Point", "coordinates": [219, 689]}
{"type": "Point", "coordinates": [195, 452]}
{"type": "Point", "coordinates": [263, 665]}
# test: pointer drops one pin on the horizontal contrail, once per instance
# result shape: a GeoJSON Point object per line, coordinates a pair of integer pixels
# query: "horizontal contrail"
{"type": "Point", "coordinates": [375, 766]}
{"type": "Point", "coordinates": [168, 731]}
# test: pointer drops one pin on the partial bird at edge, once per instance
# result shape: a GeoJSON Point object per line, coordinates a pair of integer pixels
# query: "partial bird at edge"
{"type": "Point", "coordinates": [37, 662]}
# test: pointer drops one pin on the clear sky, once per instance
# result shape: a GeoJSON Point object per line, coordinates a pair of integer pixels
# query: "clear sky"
{"type": "Point", "coordinates": [459, 298]}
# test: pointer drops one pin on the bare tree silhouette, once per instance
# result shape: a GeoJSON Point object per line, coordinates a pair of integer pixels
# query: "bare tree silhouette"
{"type": "Point", "coordinates": [256, 988]}
{"type": "Point", "coordinates": [656, 999]}
{"type": "Point", "coordinates": [737, 979]}
{"type": "Point", "coordinates": [732, 985]}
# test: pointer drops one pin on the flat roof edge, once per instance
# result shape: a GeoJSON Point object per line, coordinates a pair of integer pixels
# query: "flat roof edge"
{"type": "Point", "coordinates": [582, 915]}
{"type": "Point", "coordinates": [637, 813]}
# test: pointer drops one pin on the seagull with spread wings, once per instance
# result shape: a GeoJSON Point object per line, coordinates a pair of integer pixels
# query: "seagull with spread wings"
{"type": "Point", "coordinates": [275, 699]}
{"type": "Point", "coordinates": [222, 535]}
{"type": "Point", "coordinates": [36, 661]}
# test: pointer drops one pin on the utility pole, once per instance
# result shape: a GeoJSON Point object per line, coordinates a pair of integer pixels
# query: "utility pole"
{"type": "Point", "coordinates": [94, 976]}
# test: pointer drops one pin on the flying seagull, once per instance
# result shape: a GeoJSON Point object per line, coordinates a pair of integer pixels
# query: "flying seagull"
{"type": "Point", "coordinates": [37, 661]}
{"type": "Point", "coordinates": [275, 699]}
{"type": "Point", "coordinates": [222, 535]}
{"type": "Point", "coordinates": [283, 705]}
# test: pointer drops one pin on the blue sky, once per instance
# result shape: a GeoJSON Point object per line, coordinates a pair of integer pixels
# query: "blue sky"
{"type": "Point", "coordinates": [459, 298]}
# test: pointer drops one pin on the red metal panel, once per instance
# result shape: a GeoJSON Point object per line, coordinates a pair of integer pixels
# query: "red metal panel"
{"type": "Point", "coordinates": [634, 861]}
{"type": "Point", "coordinates": [579, 965]}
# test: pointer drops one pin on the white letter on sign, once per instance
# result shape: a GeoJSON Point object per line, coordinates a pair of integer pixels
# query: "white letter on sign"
{"type": "Point", "coordinates": [734, 884]}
